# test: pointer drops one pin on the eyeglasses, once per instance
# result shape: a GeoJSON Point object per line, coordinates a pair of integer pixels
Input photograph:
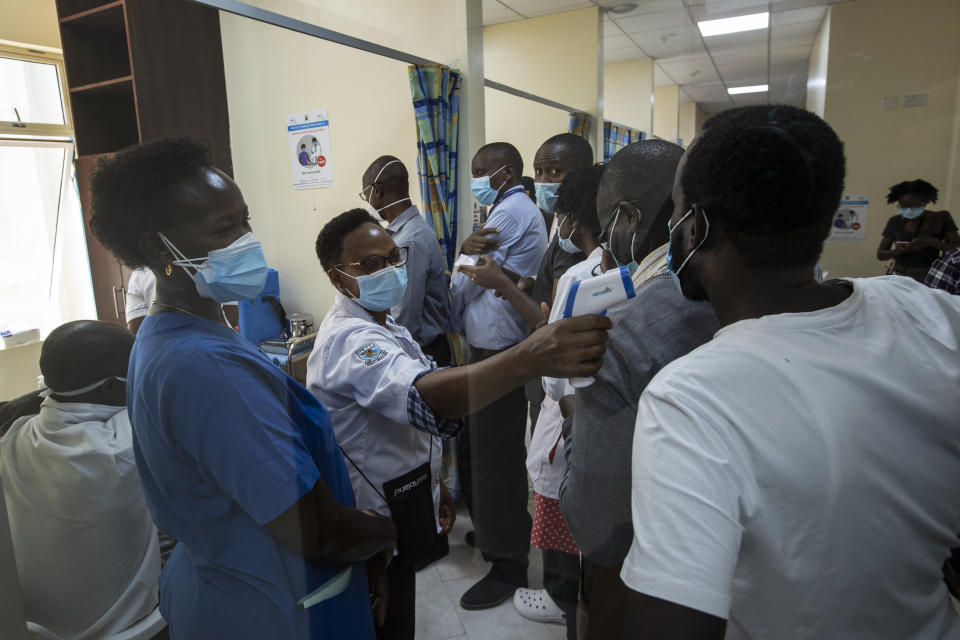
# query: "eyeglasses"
{"type": "Point", "coordinates": [372, 264]}
{"type": "Point", "coordinates": [363, 193]}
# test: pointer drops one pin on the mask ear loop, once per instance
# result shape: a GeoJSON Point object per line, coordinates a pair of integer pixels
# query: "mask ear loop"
{"type": "Point", "coordinates": [181, 260]}
{"type": "Point", "coordinates": [706, 233]}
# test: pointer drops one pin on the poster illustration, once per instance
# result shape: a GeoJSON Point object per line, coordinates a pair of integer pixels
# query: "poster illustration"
{"type": "Point", "coordinates": [850, 220]}
{"type": "Point", "coordinates": [309, 139]}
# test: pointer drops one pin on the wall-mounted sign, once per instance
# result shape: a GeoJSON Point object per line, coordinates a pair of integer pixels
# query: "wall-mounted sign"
{"type": "Point", "coordinates": [850, 221]}
{"type": "Point", "coordinates": [309, 135]}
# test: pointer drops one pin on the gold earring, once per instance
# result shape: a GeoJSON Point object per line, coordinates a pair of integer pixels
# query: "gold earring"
{"type": "Point", "coordinates": [168, 270]}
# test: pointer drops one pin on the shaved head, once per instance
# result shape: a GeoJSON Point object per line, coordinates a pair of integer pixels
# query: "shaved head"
{"type": "Point", "coordinates": [643, 173]}
{"type": "Point", "coordinates": [77, 354]}
{"type": "Point", "coordinates": [393, 175]}
{"type": "Point", "coordinates": [499, 154]}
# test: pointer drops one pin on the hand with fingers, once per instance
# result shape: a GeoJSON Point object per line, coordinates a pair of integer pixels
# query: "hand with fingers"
{"type": "Point", "coordinates": [479, 241]}
{"type": "Point", "coordinates": [487, 274]}
{"type": "Point", "coordinates": [568, 348]}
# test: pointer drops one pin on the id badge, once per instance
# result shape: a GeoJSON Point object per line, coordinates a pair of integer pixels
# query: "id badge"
{"type": "Point", "coordinates": [410, 498]}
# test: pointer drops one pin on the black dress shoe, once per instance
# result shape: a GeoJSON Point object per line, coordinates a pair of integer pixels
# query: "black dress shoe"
{"type": "Point", "coordinates": [488, 593]}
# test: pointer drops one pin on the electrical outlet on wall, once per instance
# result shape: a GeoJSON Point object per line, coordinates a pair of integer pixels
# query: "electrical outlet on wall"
{"type": "Point", "coordinates": [916, 100]}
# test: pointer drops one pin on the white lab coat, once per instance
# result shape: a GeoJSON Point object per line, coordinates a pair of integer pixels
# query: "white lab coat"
{"type": "Point", "coordinates": [86, 548]}
{"type": "Point", "coordinates": [546, 475]}
{"type": "Point", "coordinates": [362, 372]}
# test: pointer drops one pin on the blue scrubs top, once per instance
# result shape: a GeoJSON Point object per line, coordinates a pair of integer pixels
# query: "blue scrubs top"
{"type": "Point", "coordinates": [225, 442]}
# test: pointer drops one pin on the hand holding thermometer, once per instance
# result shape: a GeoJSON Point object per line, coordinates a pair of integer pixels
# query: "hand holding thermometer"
{"type": "Point", "coordinates": [596, 295]}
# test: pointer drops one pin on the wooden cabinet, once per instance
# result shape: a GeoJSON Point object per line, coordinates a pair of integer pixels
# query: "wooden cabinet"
{"type": "Point", "coordinates": [139, 70]}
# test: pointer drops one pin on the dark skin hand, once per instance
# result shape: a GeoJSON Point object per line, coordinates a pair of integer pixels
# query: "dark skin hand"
{"type": "Point", "coordinates": [211, 214]}
{"type": "Point", "coordinates": [569, 348]}
{"type": "Point", "coordinates": [489, 275]}
{"type": "Point", "coordinates": [649, 618]}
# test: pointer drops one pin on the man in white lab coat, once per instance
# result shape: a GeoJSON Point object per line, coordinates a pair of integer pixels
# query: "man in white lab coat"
{"type": "Point", "coordinates": [86, 548]}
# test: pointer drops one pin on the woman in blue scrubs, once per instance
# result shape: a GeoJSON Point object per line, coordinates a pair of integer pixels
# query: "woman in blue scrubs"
{"type": "Point", "coordinates": [238, 461]}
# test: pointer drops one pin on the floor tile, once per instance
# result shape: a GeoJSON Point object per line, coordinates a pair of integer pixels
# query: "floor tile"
{"type": "Point", "coordinates": [437, 617]}
{"type": "Point", "coordinates": [500, 623]}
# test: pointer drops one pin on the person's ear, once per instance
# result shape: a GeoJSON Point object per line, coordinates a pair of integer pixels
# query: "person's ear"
{"type": "Point", "coordinates": [154, 251]}
{"type": "Point", "coordinates": [698, 228]}
{"type": "Point", "coordinates": [113, 392]}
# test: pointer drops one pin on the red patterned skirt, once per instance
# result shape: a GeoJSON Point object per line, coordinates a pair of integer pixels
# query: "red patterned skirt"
{"type": "Point", "coordinates": [550, 530]}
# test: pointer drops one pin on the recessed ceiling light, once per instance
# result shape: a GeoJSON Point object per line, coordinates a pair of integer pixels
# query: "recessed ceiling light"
{"type": "Point", "coordinates": [623, 8]}
{"type": "Point", "coordinates": [734, 25]}
{"type": "Point", "coordinates": [757, 88]}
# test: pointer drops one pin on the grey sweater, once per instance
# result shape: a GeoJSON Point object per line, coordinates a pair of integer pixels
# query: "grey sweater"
{"type": "Point", "coordinates": [650, 331]}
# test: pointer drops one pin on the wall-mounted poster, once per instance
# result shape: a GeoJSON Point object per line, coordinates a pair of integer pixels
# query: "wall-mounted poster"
{"type": "Point", "coordinates": [309, 135]}
{"type": "Point", "coordinates": [850, 220]}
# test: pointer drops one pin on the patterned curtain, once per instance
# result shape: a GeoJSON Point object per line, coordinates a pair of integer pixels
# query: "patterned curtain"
{"type": "Point", "coordinates": [436, 101]}
{"type": "Point", "coordinates": [616, 137]}
{"type": "Point", "coordinates": [580, 124]}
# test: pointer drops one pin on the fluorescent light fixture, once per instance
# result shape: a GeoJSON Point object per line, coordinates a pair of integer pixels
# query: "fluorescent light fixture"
{"type": "Point", "coordinates": [734, 25]}
{"type": "Point", "coordinates": [757, 88]}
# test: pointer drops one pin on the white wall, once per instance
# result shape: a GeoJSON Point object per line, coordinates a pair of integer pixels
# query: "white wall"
{"type": "Point", "coordinates": [666, 112]}
{"type": "Point", "coordinates": [271, 73]}
{"type": "Point", "coordinates": [30, 22]}
{"type": "Point", "coordinates": [523, 123]}
{"type": "Point", "coordinates": [628, 93]}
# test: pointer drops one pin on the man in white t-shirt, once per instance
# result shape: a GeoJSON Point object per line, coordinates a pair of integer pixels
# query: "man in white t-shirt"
{"type": "Point", "coordinates": [796, 477]}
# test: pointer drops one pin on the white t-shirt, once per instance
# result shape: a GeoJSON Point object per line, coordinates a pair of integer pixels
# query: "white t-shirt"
{"type": "Point", "coordinates": [798, 475]}
{"type": "Point", "coordinates": [141, 290]}
{"type": "Point", "coordinates": [86, 548]}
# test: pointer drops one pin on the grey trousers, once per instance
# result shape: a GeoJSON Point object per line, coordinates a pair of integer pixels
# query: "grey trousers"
{"type": "Point", "coordinates": [496, 463]}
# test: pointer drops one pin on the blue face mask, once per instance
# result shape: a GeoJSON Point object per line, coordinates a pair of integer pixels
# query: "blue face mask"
{"type": "Point", "coordinates": [567, 244]}
{"type": "Point", "coordinates": [547, 194]}
{"type": "Point", "coordinates": [236, 272]}
{"type": "Point", "coordinates": [911, 212]}
{"type": "Point", "coordinates": [381, 290]}
{"type": "Point", "coordinates": [482, 191]}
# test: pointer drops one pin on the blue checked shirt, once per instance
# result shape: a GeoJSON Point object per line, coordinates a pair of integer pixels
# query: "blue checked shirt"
{"type": "Point", "coordinates": [945, 272]}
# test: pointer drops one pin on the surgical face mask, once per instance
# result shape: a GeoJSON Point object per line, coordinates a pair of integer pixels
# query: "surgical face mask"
{"type": "Point", "coordinates": [236, 272]}
{"type": "Point", "coordinates": [547, 194]}
{"type": "Point", "coordinates": [370, 207]}
{"type": "Point", "coordinates": [911, 212]}
{"type": "Point", "coordinates": [567, 244]}
{"type": "Point", "coordinates": [82, 390]}
{"type": "Point", "coordinates": [671, 267]}
{"type": "Point", "coordinates": [608, 246]}
{"type": "Point", "coordinates": [482, 191]}
{"type": "Point", "coordinates": [381, 290]}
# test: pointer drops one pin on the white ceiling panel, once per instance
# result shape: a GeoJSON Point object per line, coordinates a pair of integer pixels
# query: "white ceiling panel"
{"type": "Point", "coordinates": [661, 78]}
{"type": "Point", "coordinates": [643, 6]}
{"type": "Point", "coordinates": [531, 8]}
{"type": "Point", "coordinates": [671, 48]}
{"type": "Point", "coordinates": [654, 21]}
{"type": "Point", "coordinates": [789, 53]}
{"type": "Point", "coordinates": [610, 29]}
{"type": "Point", "coordinates": [792, 42]}
{"type": "Point", "coordinates": [743, 55]}
{"type": "Point", "coordinates": [795, 16]}
{"type": "Point", "coordinates": [689, 70]}
{"type": "Point", "coordinates": [687, 34]}
{"type": "Point", "coordinates": [737, 40]}
{"type": "Point", "coordinates": [496, 13]}
{"type": "Point", "coordinates": [621, 55]}
{"type": "Point", "coordinates": [805, 29]}
{"type": "Point", "coordinates": [617, 42]}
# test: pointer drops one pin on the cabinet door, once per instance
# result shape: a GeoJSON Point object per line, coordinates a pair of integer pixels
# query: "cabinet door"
{"type": "Point", "coordinates": [105, 269]}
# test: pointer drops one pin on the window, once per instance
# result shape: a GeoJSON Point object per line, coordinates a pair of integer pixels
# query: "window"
{"type": "Point", "coordinates": [42, 243]}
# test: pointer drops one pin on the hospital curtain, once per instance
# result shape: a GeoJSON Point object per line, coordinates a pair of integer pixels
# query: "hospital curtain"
{"type": "Point", "coordinates": [436, 101]}
{"type": "Point", "coordinates": [616, 137]}
{"type": "Point", "coordinates": [580, 124]}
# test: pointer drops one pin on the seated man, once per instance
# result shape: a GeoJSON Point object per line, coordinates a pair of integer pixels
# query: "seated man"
{"type": "Point", "coordinates": [390, 405]}
{"type": "Point", "coordinates": [86, 549]}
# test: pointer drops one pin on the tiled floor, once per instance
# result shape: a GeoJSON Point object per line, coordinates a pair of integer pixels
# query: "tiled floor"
{"type": "Point", "coordinates": [439, 587]}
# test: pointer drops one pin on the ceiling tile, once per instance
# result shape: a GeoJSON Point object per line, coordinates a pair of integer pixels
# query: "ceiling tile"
{"type": "Point", "coordinates": [611, 29]}
{"type": "Point", "coordinates": [617, 42]}
{"type": "Point", "coordinates": [671, 48]}
{"type": "Point", "coordinates": [643, 6]}
{"type": "Point", "coordinates": [661, 78]}
{"type": "Point", "coordinates": [686, 70]}
{"type": "Point", "coordinates": [789, 53]}
{"type": "Point", "coordinates": [805, 29]}
{"type": "Point", "coordinates": [686, 33]}
{"type": "Point", "coordinates": [736, 40]}
{"type": "Point", "coordinates": [620, 55]}
{"type": "Point", "coordinates": [715, 9]}
{"type": "Point", "coordinates": [654, 21]}
{"type": "Point", "coordinates": [792, 42]}
{"type": "Point", "coordinates": [795, 16]}
{"type": "Point", "coordinates": [531, 8]}
{"type": "Point", "coordinates": [496, 13]}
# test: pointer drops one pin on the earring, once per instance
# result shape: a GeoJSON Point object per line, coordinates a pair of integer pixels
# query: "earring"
{"type": "Point", "coordinates": [168, 270]}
